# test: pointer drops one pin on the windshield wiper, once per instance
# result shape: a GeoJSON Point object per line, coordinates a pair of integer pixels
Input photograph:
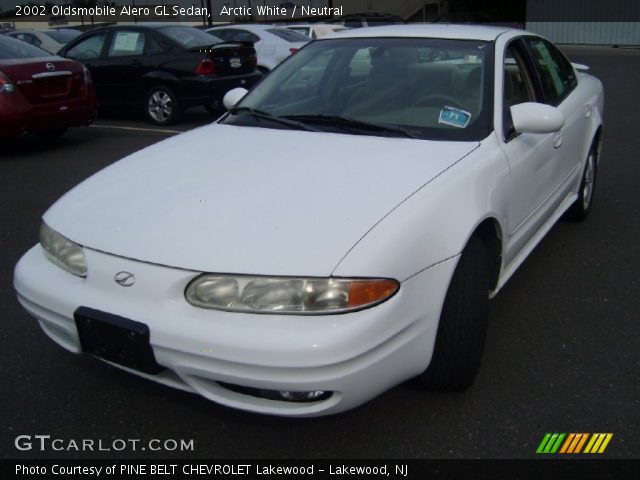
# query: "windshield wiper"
{"type": "Point", "coordinates": [351, 124]}
{"type": "Point", "coordinates": [260, 114]}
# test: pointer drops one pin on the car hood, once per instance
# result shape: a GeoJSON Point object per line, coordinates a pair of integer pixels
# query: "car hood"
{"type": "Point", "coordinates": [249, 200]}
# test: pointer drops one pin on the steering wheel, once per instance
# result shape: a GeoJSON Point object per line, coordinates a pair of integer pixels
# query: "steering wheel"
{"type": "Point", "coordinates": [438, 100]}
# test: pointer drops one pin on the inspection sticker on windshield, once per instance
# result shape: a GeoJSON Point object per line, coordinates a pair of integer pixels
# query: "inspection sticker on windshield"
{"type": "Point", "coordinates": [454, 117]}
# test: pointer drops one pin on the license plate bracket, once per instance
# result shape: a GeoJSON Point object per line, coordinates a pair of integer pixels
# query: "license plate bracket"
{"type": "Point", "coordinates": [116, 339]}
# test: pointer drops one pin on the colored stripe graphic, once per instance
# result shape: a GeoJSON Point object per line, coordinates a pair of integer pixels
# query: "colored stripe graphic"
{"type": "Point", "coordinates": [598, 443]}
{"type": "Point", "coordinates": [573, 443]}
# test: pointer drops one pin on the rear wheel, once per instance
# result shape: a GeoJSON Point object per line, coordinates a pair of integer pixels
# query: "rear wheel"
{"type": "Point", "coordinates": [161, 105]}
{"type": "Point", "coordinates": [463, 324]}
{"type": "Point", "coordinates": [580, 209]}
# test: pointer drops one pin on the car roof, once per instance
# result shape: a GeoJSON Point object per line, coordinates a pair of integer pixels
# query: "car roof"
{"type": "Point", "coordinates": [451, 31]}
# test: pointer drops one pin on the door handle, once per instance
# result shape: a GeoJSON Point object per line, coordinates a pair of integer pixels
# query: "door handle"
{"type": "Point", "coordinates": [557, 140]}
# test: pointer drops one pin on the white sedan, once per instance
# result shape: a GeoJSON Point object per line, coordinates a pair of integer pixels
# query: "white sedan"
{"type": "Point", "coordinates": [339, 231]}
{"type": "Point", "coordinates": [51, 40]}
{"type": "Point", "coordinates": [272, 44]}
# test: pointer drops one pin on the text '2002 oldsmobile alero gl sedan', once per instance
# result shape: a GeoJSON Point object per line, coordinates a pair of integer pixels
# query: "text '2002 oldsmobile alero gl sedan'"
{"type": "Point", "coordinates": [338, 231]}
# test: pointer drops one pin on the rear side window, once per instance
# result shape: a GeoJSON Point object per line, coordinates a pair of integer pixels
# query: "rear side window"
{"type": "Point", "coordinates": [127, 43]}
{"type": "Point", "coordinates": [557, 75]}
{"type": "Point", "coordinates": [12, 48]}
{"type": "Point", "coordinates": [289, 35]}
{"type": "Point", "coordinates": [27, 37]}
{"type": "Point", "coordinates": [89, 48]}
{"type": "Point", "coordinates": [63, 36]}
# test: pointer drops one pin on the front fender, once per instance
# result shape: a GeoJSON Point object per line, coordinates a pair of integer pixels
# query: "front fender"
{"type": "Point", "coordinates": [434, 223]}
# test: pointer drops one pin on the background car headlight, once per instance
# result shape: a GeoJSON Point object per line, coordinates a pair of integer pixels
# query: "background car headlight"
{"type": "Point", "coordinates": [292, 295]}
{"type": "Point", "coordinates": [62, 251]}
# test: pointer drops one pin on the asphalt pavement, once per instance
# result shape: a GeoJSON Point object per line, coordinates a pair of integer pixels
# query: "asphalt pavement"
{"type": "Point", "coordinates": [562, 353]}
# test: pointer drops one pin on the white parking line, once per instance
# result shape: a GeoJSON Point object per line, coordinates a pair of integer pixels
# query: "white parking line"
{"type": "Point", "coordinates": [138, 129]}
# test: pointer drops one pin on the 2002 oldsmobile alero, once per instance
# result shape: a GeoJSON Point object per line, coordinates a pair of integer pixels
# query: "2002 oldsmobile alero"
{"type": "Point", "coordinates": [339, 231]}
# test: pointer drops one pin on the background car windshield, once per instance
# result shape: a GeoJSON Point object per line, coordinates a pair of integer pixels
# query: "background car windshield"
{"type": "Point", "coordinates": [63, 36]}
{"type": "Point", "coordinates": [12, 48]}
{"type": "Point", "coordinates": [432, 88]}
{"type": "Point", "coordinates": [190, 37]}
{"type": "Point", "coordinates": [289, 35]}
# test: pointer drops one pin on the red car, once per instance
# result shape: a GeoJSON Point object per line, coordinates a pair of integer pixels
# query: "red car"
{"type": "Point", "coordinates": [42, 93]}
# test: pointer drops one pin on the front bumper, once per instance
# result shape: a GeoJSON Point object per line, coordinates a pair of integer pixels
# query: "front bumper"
{"type": "Point", "coordinates": [356, 355]}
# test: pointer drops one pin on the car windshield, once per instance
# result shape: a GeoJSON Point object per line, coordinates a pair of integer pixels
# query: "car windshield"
{"type": "Point", "coordinates": [12, 48]}
{"type": "Point", "coordinates": [434, 89]}
{"type": "Point", "coordinates": [190, 37]}
{"type": "Point", "coordinates": [63, 36]}
{"type": "Point", "coordinates": [288, 35]}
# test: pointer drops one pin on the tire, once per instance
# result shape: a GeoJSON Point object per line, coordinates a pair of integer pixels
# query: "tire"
{"type": "Point", "coordinates": [582, 206]}
{"type": "Point", "coordinates": [161, 106]}
{"type": "Point", "coordinates": [264, 70]}
{"type": "Point", "coordinates": [462, 329]}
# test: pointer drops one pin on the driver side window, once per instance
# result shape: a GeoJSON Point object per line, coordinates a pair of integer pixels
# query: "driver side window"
{"type": "Point", "coordinates": [518, 87]}
{"type": "Point", "coordinates": [89, 48]}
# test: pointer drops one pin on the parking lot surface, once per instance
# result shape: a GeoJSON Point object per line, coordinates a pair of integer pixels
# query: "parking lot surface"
{"type": "Point", "coordinates": [562, 353]}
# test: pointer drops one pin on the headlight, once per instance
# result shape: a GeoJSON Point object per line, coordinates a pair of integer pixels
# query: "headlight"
{"type": "Point", "coordinates": [62, 251]}
{"type": "Point", "coordinates": [288, 295]}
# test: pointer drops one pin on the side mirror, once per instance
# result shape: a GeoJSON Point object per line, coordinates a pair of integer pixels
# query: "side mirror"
{"type": "Point", "coordinates": [232, 97]}
{"type": "Point", "coordinates": [533, 117]}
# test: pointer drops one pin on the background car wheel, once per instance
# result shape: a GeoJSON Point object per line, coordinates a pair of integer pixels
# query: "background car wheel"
{"type": "Point", "coordinates": [263, 70]}
{"type": "Point", "coordinates": [580, 209]}
{"type": "Point", "coordinates": [161, 106]}
{"type": "Point", "coordinates": [463, 324]}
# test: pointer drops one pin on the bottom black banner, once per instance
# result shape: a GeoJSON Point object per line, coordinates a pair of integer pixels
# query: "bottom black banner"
{"type": "Point", "coordinates": [322, 469]}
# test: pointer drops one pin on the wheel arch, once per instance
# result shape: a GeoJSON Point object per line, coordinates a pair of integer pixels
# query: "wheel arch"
{"type": "Point", "coordinates": [490, 232]}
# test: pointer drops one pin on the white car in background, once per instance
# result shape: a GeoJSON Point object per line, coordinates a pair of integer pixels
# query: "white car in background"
{"type": "Point", "coordinates": [273, 44]}
{"type": "Point", "coordinates": [248, 262]}
{"type": "Point", "coordinates": [316, 30]}
{"type": "Point", "coordinates": [51, 40]}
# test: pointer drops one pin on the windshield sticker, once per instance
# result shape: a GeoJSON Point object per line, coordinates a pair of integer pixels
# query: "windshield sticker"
{"type": "Point", "coordinates": [454, 117]}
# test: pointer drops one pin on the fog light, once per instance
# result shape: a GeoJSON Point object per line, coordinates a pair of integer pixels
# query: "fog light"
{"type": "Point", "coordinates": [279, 395]}
{"type": "Point", "coordinates": [303, 396]}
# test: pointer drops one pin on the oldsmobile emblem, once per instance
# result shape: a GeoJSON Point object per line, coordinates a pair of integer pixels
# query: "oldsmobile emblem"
{"type": "Point", "coordinates": [124, 279]}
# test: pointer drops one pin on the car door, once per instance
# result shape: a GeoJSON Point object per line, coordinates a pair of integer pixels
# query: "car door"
{"type": "Point", "coordinates": [558, 82]}
{"type": "Point", "coordinates": [88, 51]}
{"type": "Point", "coordinates": [533, 158]}
{"type": "Point", "coordinates": [124, 64]}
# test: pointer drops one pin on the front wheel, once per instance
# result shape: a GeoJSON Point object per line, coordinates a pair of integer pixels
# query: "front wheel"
{"type": "Point", "coordinates": [463, 324]}
{"type": "Point", "coordinates": [161, 105]}
{"type": "Point", "coordinates": [580, 209]}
